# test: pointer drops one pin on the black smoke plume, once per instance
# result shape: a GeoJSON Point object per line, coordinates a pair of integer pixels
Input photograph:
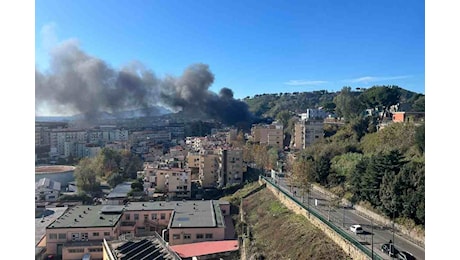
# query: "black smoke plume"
{"type": "Point", "coordinates": [82, 84]}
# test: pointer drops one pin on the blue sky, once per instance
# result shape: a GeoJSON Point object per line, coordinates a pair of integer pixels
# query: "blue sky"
{"type": "Point", "coordinates": [251, 47]}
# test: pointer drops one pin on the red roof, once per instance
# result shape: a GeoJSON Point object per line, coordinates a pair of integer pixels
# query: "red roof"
{"type": "Point", "coordinates": [205, 248]}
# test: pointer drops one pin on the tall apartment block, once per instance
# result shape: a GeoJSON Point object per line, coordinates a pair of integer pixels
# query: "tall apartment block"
{"type": "Point", "coordinates": [307, 132]}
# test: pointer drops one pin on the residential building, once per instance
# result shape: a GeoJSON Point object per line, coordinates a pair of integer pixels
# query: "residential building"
{"type": "Point", "coordinates": [230, 166]}
{"type": "Point", "coordinates": [175, 182]}
{"type": "Point", "coordinates": [193, 163]}
{"type": "Point", "coordinates": [415, 117]}
{"type": "Point", "coordinates": [47, 190]}
{"type": "Point", "coordinates": [307, 132]}
{"type": "Point", "coordinates": [314, 113]}
{"type": "Point", "coordinates": [268, 134]}
{"type": "Point", "coordinates": [209, 166]}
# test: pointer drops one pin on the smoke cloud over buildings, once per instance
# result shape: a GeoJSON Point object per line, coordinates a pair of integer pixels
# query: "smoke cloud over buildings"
{"type": "Point", "coordinates": [81, 84]}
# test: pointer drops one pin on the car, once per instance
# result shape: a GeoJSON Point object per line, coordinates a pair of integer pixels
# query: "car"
{"type": "Point", "coordinates": [357, 229]}
{"type": "Point", "coordinates": [403, 255]}
{"type": "Point", "coordinates": [389, 249]}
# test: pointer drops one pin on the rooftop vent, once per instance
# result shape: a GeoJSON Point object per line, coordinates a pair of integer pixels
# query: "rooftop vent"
{"type": "Point", "coordinates": [101, 217]}
{"type": "Point", "coordinates": [75, 220]}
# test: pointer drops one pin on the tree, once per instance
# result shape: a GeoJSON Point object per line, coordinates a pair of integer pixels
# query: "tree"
{"type": "Point", "coordinates": [283, 117]}
{"type": "Point", "coordinates": [115, 179]}
{"type": "Point", "coordinates": [380, 96]}
{"type": "Point", "coordinates": [348, 104]}
{"type": "Point", "coordinates": [137, 185]}
{"type": "Point", "coordinates": [85, 176]}
{"type": "Point", "coordinates": [420, 138]}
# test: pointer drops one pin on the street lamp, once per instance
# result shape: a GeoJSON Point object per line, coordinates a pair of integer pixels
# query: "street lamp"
{"type": "Point", "coordinates": [372, 239]}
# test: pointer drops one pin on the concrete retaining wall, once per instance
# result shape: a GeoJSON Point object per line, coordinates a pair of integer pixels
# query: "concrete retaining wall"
{"type": "Point", "coordinates": [349, 248]}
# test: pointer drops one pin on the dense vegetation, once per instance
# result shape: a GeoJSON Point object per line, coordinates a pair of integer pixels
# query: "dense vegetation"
{"type": "Point", "coordinates": [110, 166]}
{"type": "Point", "coordinates": [271, 105]}
{"type": "Point", "coordinates": [384, 170]}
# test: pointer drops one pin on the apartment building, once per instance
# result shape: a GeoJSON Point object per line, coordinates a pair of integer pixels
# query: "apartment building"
{"type": "Point", "coordinates": [307, 132]}
{"type": "Point", "coordinates": [193, 163]}
{"type": "Point", "coordinates": [314, 113]}
{"type": "Point", "coordinates": [230, 166]}
{"type": "Point", "coordinates": [174, 182]}
{"type": "Point", "coordinates": [272, 135]}
{"type": "Point", "coordinates": [47, 190]}
{"type": "Point", "coordinates": [208, 173]}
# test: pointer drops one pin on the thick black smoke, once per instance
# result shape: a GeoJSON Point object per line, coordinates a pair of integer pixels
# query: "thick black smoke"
{"type": "Point", "coordinates": [79, 83]}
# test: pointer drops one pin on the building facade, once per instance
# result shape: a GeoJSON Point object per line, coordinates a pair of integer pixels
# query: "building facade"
{"type": "Point", "coordinates": [307, 132]}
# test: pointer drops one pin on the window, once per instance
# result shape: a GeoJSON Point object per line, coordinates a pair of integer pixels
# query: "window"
{"type": "Point", "coordinates": [62, 235]}
{"type": "Point", "coordinates": [95, 249]}
{"type": "Point", "coordinates": [75, 236]}
{"type": "Point", "coordinates": [77, 250]}
{"type": "Point", "coordinates": [208, 235]}
{"type": "Point", "coordinates": [187, 236]}
{"type": "Point", "coordinates": [176, 236]}
{"type": "Point", "coordinates": [84, 237]}
{"type": "Point", "coordinates": [53, 236]}
{"type": "Point", "coordinates": [146, 216]}
{"type": "Point", "coordinates": [95, 234]}
{"type": "Point", "coordinates": [106, 234]}
{"type": "Point", "coordinates": [127, 216]}
{"type": "Point", "coordinates": [224, 211]}
{"type": "Point", "coordinates": [154, 216]}
{"type": "Point", "coordinates": [136, 216]}
{"type": "Point", "coordinates": [199, 236]}
{"type": "Point", "coordinates": [162, 216]}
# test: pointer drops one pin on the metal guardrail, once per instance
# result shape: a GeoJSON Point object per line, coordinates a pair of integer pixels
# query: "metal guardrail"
{"type": "Point", "coordinates": [338, 230]}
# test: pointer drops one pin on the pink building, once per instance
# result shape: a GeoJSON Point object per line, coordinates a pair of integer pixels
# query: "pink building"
{"type": "Point", "coordinates": [82, 229]}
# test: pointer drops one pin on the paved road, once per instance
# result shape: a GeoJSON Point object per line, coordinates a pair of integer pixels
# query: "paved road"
{"type": "Point", "coordinates": [345, 217]}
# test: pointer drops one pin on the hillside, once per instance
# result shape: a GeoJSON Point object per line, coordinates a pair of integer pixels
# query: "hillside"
{"type": "Point", "coordinates": [277, 233]}
{"type": "Point", "coordinates": [269, 105]}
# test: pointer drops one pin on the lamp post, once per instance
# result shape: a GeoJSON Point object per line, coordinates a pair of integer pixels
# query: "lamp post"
{"type": "Point", "coordinates": [372, 239]}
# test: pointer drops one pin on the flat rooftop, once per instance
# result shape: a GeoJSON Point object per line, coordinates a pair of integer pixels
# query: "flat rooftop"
{"type": "Point", "coordinates": [89, 216]}
{"type": "Point", "coordinates": [186, 214]}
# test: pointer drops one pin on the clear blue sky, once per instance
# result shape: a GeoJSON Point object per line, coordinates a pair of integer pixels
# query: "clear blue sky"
{"type": "Point", "coordinates": [252, 47]}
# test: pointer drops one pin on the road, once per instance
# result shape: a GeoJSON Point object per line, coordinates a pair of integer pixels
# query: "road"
{"type": "Point", "coordinates": [345, 217]}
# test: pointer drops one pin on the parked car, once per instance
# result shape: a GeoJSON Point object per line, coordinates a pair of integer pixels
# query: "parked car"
{"type": "Point", "coordinates": [403, 255]}
{"type": "Point", "coordinates": [389, 249]}
{"type": "Point", "coordinates": [357, 229]}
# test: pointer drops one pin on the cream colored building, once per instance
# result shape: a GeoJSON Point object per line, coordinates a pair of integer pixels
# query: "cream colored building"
{"type": "Point", "coordinates": [268, 134]}
{"type": "Point", "coordinates": [209, 166]}
{"type": "Point", "coordinates": [174, 182]}
{"type": "Point", "coordinates": [307, 132]}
